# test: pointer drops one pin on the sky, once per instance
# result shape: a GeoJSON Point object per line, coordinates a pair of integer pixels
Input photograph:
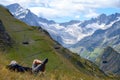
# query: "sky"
{"type": "Point", "coordinates": [66, 10]}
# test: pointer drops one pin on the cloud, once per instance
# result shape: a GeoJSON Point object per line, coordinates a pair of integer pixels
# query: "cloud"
{"type": "Point", "coordinates": [53, 9]}
{"type": "Point", "coordinates": [91, 14]}
{"type": "Point", "coordinates": [77, 16]}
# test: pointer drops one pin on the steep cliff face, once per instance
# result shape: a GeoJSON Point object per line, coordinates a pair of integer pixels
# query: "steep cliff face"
{"type": "Point", "coordinates": [5, 39]}
{"type": "Point", "coordinates": [110, 61]}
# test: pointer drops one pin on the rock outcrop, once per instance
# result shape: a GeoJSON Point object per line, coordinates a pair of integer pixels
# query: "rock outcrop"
{"type": "Point", "coordinates": [5, 40]}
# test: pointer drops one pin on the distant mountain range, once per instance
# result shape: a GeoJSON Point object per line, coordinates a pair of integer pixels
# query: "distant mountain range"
{"type": "Point", "coordinates": [87, 38]}
{"type": "Point", "coordinates": [101, 38]}
{"type": "Point", "coordinates": [68, 33]}
{"type": "Point", "coordinates": [75, 33]}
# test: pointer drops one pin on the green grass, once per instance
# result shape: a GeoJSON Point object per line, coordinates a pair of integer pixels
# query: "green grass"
{"type": "Point", "coordinates": [19, 52]}
{"type": "Point", "coordinates": [93, 55]}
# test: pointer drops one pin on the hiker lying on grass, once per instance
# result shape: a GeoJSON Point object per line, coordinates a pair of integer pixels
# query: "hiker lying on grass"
{"type": "Point", "coordinates": [37, 66]}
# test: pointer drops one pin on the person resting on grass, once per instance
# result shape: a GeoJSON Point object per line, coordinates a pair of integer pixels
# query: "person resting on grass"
{"type": "Point", "coordinates": [37, 66]}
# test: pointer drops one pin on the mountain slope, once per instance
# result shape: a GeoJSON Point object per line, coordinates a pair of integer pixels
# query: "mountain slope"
{"type": "Point", "coordinates": [62, 65]}
{"type": "Point", "coordinates": [110, 61]}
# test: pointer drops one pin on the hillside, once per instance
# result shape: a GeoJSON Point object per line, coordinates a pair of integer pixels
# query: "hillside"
{"type": "Point", "coordinates": [110, 61]}
{"type": "Point", "coordinates": [62, 65]}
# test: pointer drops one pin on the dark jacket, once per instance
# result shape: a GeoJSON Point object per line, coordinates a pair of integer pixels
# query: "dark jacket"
{"type": "Point", "coordinates": [19, 68]}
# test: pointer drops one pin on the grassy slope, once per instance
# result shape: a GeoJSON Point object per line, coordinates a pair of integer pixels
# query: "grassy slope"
{"type": "Point", "coordinates": [41, 46]}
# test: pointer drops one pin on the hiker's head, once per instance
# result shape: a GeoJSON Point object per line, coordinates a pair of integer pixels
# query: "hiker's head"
{"type": "Point", "coordinates": [39, 66]}
{"type": "Point", "coordinates": [13, 62]}
{"type": "Point", "coordinates": [37, 61]}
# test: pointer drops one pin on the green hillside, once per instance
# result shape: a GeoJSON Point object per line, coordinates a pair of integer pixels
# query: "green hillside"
{"type": "Point", "coordinates": [62, 65]}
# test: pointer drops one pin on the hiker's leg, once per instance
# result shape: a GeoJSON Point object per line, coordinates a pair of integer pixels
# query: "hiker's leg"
{"type": "Point", "coordinates": [40, 66]}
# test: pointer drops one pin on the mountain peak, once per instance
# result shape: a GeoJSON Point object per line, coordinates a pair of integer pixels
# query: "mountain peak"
{"type": "Point", "coordinates": [70, 22]}
{"type": "Point", "coordinates": [15, 5]}
{"type": "Point", "coordinates": [102, 15]}
{"type": "Point", "coordinates": [27, 16]}
{"type": "Point", "coordinates": [117, 14]}
{"type": "Point", "coordinates": [14, 8]}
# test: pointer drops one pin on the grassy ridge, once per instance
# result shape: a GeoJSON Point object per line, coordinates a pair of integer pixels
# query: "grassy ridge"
{"type": "Point", "coordinates": [40, 46]}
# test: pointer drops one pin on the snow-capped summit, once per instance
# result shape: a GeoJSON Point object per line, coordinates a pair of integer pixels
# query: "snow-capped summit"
{"type": "Point", "coordinates": [26, 15]}
{"type": "Point", "coordinates": [14, 8]}
{"type": "Point", "coordinates": [18, 11]}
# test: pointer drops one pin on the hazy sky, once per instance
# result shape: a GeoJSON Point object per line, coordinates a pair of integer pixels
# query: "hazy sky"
{"type": "Point", "coordinates": [65, 10]}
